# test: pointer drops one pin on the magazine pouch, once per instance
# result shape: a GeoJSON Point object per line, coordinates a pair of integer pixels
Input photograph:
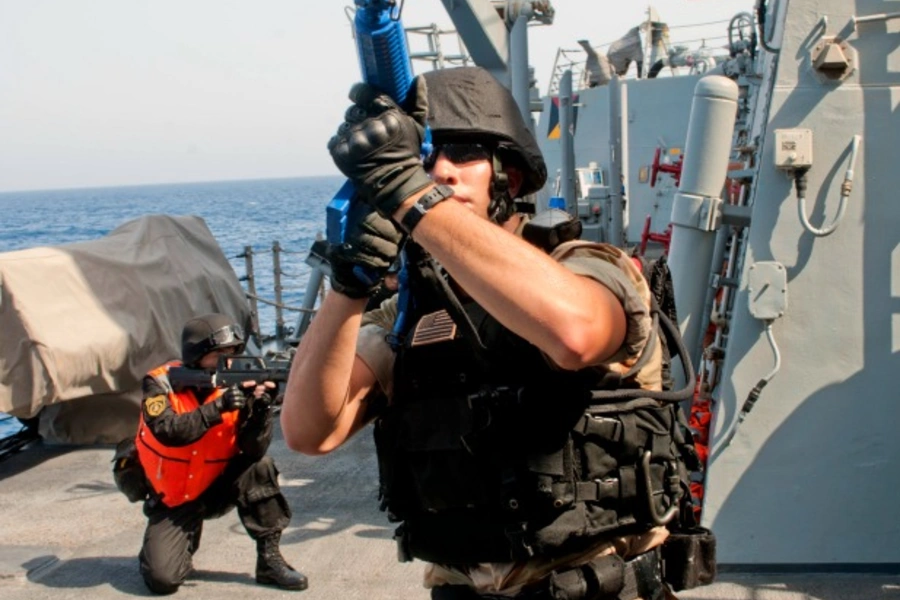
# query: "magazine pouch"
{"type": "Point", "coordinates": [128, 471]}
{"type": "Point", "coordinates": [689, 558]}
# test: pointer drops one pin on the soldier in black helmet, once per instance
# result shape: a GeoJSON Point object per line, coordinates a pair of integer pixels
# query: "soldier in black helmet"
{"type": "Point", "coordinates": [525, 445]}
{"type": "Point", "coordinates": [204, 452]}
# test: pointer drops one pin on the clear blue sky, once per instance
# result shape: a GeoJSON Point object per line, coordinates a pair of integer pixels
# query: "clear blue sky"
{"type": "Point", "coordinates": [117, 92]}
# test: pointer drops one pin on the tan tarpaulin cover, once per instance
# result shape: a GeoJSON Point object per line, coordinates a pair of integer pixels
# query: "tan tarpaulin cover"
{"type": "Point", "coordinates": [80, 324]}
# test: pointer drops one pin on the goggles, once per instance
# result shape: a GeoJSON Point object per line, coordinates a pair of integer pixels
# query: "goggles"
{"type": "Point", "coordinates": [458, 154]}
{"type": "Point", "coordinates": [226, 336]}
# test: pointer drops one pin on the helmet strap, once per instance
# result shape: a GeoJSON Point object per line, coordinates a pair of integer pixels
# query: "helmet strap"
{"type": "Point", "coordinates": [501, 207]}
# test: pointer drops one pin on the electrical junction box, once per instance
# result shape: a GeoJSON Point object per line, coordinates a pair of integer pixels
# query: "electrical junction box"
{"type": "Point", "coordinates": [793, 148]}
{"type": "Point", "coordinates": [767, 286]}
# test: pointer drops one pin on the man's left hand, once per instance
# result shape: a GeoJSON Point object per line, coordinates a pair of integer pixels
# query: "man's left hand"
{"type": "Point", "coordinates": [258, 390]}
{"type": "Point", "coordinates": [359, 265]}
{"type": "Point", "coordinates": [258, 394]}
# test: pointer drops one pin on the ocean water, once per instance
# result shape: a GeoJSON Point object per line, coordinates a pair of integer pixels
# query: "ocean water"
{"type": "Point", "coordinates": [238, 213]}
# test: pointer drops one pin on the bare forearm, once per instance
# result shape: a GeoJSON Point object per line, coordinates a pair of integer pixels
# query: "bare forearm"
{"type": "Point", "coordinates": [574, 320]}
{"type": "Point", "coordinates": [318, 388]}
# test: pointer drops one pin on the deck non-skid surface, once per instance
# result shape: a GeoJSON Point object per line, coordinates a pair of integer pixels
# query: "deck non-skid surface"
{"type": "Point", "coordinates": [66, 532]}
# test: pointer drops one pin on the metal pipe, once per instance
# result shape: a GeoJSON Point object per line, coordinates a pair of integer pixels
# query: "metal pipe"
{"type": "Point", "coordinates": [316, 276]}
{"type": "Point", "coordinates": [873, 18]}
{"type": "Point", "coordinates": [718, 257]}
{"type": "Point", "coordinates": [279, 311]}
{"type": "Point", "coordinates": [251, 293]}
{"type": "Point", "coordinates": [518, 65]}
{"type": "Point", "coordinates": [695, 209]}
{"type": "Point", "coordinates": [616, 205]}
{"type": "Point", "coordinates": [567, 143]}
{"type": "Point", "coordinates": [623, 162]}
{"type": "Point", "coordinates": [313, 285]}
{"type": "Point", "coordinates": [734, 266]}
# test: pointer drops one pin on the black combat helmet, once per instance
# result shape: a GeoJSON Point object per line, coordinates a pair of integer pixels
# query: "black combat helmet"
{"type": "Point", "coordinates": [468, 105]}
{"type": "Point", "coordinates": [202, 335]}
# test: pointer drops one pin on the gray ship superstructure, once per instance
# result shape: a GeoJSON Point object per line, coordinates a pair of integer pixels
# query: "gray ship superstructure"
{"type": "Point", "coordinates": [789, 300]}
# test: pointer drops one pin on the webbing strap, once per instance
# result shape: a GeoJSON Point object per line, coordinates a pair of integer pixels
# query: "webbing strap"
{"type": "Point", "coordinates": [641, 579]}
{"type": "Point", "coordinates": [592, 491]}
{"type": "Point", "coordinates": [604, 428]}
{"type": "Point", "coordinates": [623, 487]}
{"type": "Point", "coordinates": [631, 439]}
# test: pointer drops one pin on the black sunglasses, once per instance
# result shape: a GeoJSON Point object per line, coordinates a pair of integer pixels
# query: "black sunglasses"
{"type": "Point", "coordinates": [458, 154]}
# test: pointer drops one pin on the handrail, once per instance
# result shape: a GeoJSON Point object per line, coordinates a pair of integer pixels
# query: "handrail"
{"type": "Point", "coordinates": [282, 332]}
{"type": "Point", "coordinates": [282, 306]}
{"type": "Point", "coordinates": [875, 18]}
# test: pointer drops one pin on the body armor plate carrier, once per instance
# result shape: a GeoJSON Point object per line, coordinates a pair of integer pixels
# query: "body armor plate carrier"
{"type": "Point", "coordinates": [489, 454]}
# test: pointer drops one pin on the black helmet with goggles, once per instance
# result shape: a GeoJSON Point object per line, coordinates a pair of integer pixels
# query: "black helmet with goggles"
{"type": "Point", "coordinates": [202, 335]}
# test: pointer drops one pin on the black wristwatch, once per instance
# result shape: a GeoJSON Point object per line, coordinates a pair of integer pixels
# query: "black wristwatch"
{"type": "Point", "coordinates": [424, 204]}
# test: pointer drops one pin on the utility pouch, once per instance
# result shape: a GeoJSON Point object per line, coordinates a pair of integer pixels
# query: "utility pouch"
{"type": "Point", "coordinates": [128, 472]}
{"type": "Point", "coordinates": [689, 558]}
{"type": "Point", "coordinates": [602, 578]}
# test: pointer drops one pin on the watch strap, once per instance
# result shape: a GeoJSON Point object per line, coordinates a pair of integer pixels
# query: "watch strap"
{"type": "Point", "coordinates": [423, 205]}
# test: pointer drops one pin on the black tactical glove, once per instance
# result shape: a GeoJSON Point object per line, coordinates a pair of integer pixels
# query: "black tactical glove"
{"type": "Point", "coordinates": [264, 400]}
{"type": "Point", "coordinates": [260, 406]}
{"type": "Point", "coordinates": [378, 147]}
{"type": "Point", "coordinates": [233, 399]}
{"type": "Point", "coordinates": [359, 265]}
{"type": "Point", "coordinates": [261, 402]}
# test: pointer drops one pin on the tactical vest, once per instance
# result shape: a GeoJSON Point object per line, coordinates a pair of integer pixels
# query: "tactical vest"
{"type": "Point", "coordinates": [181, 474]}
{"type": "Point", "coordinates": [489, 454]}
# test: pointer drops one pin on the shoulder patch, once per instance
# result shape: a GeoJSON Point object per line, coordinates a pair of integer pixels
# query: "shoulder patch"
{"type": "Point", "coordinates": [155, 405]}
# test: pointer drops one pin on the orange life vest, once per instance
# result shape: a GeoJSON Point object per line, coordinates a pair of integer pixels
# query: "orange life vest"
{"type": "Point", "coordinates": [182, 473]}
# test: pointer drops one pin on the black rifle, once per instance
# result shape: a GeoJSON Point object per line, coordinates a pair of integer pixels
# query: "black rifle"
{"type": "Point", "coordinates": [232, 371]}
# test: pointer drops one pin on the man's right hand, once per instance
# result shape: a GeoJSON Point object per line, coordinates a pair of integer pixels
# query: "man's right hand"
{"type": "Point", "coordinates": [359, 265]}
{"type": "Point", "coordinates": [233, 399]}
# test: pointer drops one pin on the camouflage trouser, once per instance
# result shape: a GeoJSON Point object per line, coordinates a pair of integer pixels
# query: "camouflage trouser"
{"type": "Point", "coordinates": [173, 534]}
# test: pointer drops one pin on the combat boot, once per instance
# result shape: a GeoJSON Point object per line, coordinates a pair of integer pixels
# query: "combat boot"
{"type": "Point", "coordinates": [272, 569]}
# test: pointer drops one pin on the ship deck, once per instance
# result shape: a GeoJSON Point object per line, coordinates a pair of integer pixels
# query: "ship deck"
{"type": "Point", "coordinates": [68, 533]}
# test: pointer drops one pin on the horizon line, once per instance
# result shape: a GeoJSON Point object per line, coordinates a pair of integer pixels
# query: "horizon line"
{"type": "Point", "coordinates": [158, 184]}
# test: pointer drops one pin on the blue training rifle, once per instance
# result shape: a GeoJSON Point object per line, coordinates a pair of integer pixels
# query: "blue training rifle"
{"type": "Point", "coordinates": [384, 62]}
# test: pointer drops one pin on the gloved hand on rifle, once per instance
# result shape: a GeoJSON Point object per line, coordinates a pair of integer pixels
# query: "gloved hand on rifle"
{"type": "Point", "coordinates": [233, 398]}
{"type": "Point", "coordinates": [378, 147]}
{"type": "Point", "coordinates": [372, 243]}
{"type": "Point", "coordinates": [261, 393]}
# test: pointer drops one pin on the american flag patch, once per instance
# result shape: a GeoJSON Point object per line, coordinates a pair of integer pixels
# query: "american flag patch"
{"type": "Point", "coordinates": [433, 328]}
